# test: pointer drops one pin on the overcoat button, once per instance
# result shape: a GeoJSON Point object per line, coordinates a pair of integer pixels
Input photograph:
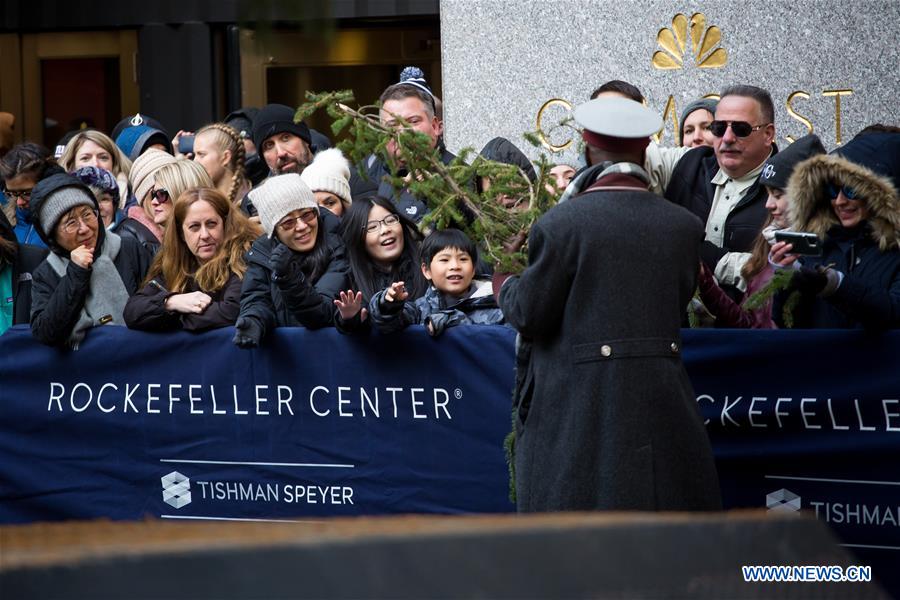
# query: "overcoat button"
{"type": "Point", "coordinates": [674, 347]}
{"type": "Point", "coordinates": [605, 350]}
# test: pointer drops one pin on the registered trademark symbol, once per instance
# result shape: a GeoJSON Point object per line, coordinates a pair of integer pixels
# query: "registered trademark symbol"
{"type": "Point", "coordinates": [458, 393]}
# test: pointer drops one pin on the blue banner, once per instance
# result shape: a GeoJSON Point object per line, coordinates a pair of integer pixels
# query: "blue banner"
{"type": "Point", "coordinates": [318, 424]}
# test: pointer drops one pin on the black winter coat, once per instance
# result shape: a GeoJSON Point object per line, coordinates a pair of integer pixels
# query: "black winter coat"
{"type": "Point", "coordinates": [146, 310]}
{"type": "Point", "coordinates": [280, 303]}
{"type": "Point", "coordinates": [606, 417]}
{"type": "Point", "coordinates": [134, 229]}
{"type": "Point", "coordinates": [57, 301]}
{"type": "Point", "coordinates": [28, 259]}
{"type": "Point", "coordinates": [691, 187]}
{"type": "Point", "coordinates": [868, 255]}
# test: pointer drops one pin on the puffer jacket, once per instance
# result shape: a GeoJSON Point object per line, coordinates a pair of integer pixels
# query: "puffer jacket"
{"type": "Point", "coordinates": [280, 303]}
{"type": "Point", "coordinates": [433, 310]}
{"type": "Point", "coordinates": [146, 310]}
{"type": "Point", "coordinates": [868, 255]}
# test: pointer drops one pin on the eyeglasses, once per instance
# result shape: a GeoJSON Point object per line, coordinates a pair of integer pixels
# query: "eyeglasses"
{"type": "Point", "coordinates": [834, 191]}
{"type": "Point", "coordinates": [373, 226]}
{"type": "Point", "coordinates": [13, 194]}
{"type": "Point", "coordinates": [161, 195]}
{"type": "Point", "coordinates": [307, 216]}
{"type": "Point", "coordinates": [739, 128]}
{"type": "Point", "coordinates": [86, 216]}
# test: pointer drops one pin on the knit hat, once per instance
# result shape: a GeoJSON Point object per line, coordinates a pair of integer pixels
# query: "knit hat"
{"type": "Point", "coordinates": [709, 104]}
{"type": "Point", "coordinates": [280, 196]}
{"type": "Point", "coordinates": [329, 172]}
{"type": "Point", "coordinates": [415, 77]}
{"type": "Point", "coordinates": [779, 167]}
{"type": "Point", "coordinates": [144, 168]}
{"type": "Point", "coordinates": [277, 118]}
{"type": "Point", "coordinates": [133, 140]}
{"type": "Point", "coordinates": [61, 201]}
{"type": "Point", "coordinates": [95, 177]}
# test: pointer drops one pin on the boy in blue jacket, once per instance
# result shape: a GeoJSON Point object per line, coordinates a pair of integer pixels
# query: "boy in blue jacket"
{"type": "Point", "coordinates": [448, 263]}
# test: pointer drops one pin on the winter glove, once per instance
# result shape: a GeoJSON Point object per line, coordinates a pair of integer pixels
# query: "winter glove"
{"type": "Point", "coordinates": [711, 254]}
{"type": "Point", "coordinates": [283, 264]}
{"type": "Point", "coordinates": [821, 281]}
{"type": "Point", "coordinates": [247, 332]}
{"type": "Point", "coordinates": [436, 323]}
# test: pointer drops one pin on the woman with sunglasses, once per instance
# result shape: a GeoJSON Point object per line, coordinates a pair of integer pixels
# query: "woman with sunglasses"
{"type": "Point", "coordinates": [849, 198]}
{"type": "Point", "coordinates": [21, 168]}
{"type": "Point", "coordinates": [169, 182]}
{"type": "Point", "coordinates": [195, 281]}
{"type": "Point", "coordinates": [140, 224]}
{"type": "Point", "coordinates": [382, 247]}
{"type": "Point", "coordinates": [89, 274]}
{"type": "Point", "coordinates": [295, 269]}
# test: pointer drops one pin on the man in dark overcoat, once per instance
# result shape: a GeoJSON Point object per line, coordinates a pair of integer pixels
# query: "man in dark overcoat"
{"type": "Point", "coordinates": [606, 416]}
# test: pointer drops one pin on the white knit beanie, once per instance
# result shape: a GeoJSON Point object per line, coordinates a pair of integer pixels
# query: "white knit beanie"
{"type": "Point", "coordinates": [329, 172]}
{"type": "Point", "coordinates": [279, 196]}
{"type": "Point", "coordinates": [144, 168]}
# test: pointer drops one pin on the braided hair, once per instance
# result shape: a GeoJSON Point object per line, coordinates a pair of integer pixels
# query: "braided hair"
{"type": "Point", "coordinates": [227, 138]}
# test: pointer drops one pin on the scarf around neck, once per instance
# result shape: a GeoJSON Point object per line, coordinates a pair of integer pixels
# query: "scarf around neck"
{"type": "Point", "coordinates": [106, 297]}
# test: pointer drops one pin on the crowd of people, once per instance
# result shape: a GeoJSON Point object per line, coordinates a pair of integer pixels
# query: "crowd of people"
{"type": "Point", "coordinates": [256, 222]}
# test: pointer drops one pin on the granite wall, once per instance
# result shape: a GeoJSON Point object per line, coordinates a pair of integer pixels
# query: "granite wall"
{"type": "Point", "coordinates": [830, 65]}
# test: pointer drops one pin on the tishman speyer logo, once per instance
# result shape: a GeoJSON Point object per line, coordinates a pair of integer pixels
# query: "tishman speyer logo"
{"type": "Point", "coordinates": [176, 489]}
{"type": "Point", "coordinates": [783, 501]}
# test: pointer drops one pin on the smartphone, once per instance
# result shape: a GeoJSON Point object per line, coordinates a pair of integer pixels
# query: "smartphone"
{"type": "Point", "coordinates": [186, 144]}
{"type": "Point", "coordinates": [805, 244]}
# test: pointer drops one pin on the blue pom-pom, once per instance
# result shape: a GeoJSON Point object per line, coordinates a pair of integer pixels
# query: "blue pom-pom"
{"type": "Point", "coordinates": [411, 73]}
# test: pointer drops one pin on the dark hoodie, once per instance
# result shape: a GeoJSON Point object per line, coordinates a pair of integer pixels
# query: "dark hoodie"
{"type": "Point", "coordinates": [867, 255]}
{"type": "Point", "coordinates": [57, 301]}
{"type": "Point", "coordinates": [503, 151]}
{"type": "Point", "coordinates": [24, 262]}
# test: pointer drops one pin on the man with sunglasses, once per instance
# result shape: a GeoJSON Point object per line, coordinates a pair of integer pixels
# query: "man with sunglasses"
{"type": "Point", "coordinates": [721, 184]}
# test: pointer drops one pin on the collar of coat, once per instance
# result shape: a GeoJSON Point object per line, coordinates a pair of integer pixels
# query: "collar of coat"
{"type": "Point", "coordinates": [810, 207]}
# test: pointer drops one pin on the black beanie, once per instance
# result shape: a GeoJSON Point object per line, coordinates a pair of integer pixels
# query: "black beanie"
{"type": "Point", "coordinates": [277, 118]}
{"type": "Point", "coordinates": [778, 168]}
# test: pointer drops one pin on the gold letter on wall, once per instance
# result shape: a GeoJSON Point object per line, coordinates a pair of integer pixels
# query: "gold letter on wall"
{"type": "Point", "coordinates": [837, 110]}
{"type": "Point", "coordinates": [540, 116]}
{"type": "Point", "coordinates": [670, 109]}
{"type": "Point", "coordinates": [794, 115]}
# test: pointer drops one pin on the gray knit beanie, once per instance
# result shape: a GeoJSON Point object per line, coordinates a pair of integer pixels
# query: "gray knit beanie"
{"type": "Point", "coordinates": [60, 202]}
{"type": "Point", "coordinates": [279, 196]}
{"type": "Point", "coordinates": [708, 104]}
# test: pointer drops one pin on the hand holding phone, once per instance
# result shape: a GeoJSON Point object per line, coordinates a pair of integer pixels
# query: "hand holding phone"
{"type": "Point", "coordinates": [802, 243]}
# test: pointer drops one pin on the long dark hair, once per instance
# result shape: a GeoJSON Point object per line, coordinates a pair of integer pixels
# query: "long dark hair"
{"type": "Point", "coordinates": [363, 269]}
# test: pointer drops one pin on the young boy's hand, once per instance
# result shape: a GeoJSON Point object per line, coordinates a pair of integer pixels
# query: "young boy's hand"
{"type": "Point", "coordinates": [349, 304]}
{"type": "Point", "coordinates": [396, 293]}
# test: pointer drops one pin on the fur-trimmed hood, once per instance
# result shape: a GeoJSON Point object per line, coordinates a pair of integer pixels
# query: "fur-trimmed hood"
{"type": "Point", "coordinates": [810, 207]}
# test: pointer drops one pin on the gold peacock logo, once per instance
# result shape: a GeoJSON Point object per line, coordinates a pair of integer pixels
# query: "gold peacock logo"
{"type": "Point", "coordinates": [703, 41]}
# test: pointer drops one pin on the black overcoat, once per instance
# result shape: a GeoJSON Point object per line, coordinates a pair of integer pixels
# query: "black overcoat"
{"type": "Point", "coordinates": [606, 417]}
